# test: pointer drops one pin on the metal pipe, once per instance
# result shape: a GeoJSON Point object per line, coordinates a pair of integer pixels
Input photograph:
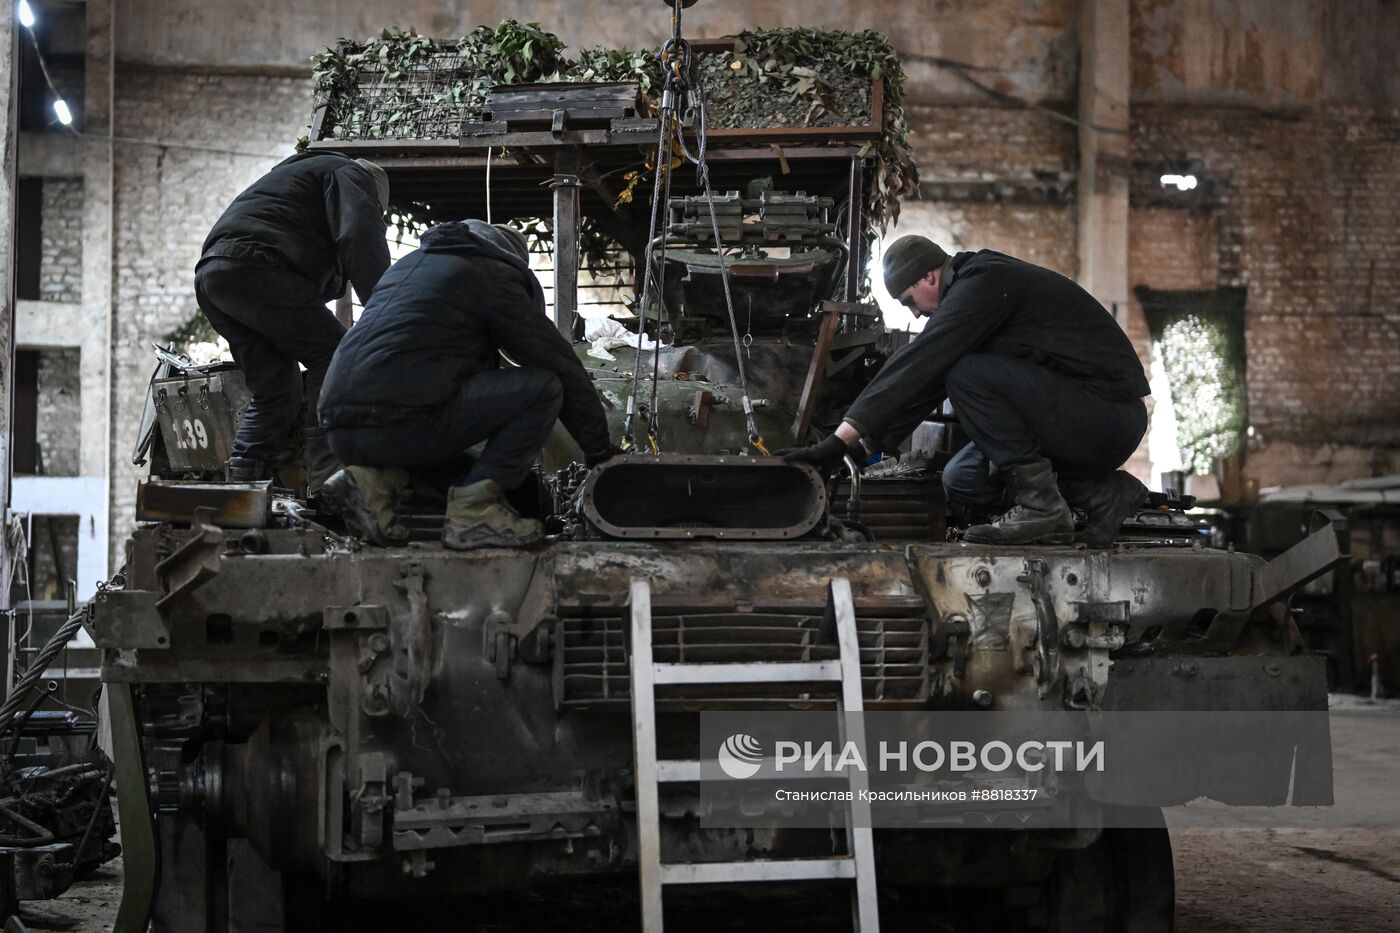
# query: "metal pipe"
{"type": "Point", "coordinates": [853, 500]}
{"type": "Point", "coordinates": [41, 837]}
{"type": "Point", "coordinates": [855, 227]}
{"type": "Point", "coordinates": [92, 822]}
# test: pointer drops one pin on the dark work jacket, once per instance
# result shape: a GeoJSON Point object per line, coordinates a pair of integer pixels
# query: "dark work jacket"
{"type": "Point", "coordinates": [441, 315]}
{"type": "Point", "coordinates": [995, 304]}
{"type": "Point", "coordinates": [316, 213]}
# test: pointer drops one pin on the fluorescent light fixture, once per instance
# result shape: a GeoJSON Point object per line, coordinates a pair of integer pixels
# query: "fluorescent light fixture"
{"type": "Point", "coordinates": [26, 14]}
{"type": "Point", "coordinates": [1180, 182]}
{"type": "Point", "coordinates": [65, 116]}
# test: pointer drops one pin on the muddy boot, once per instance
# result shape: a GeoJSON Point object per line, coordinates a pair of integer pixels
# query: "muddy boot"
{"type": "Point", "coordinates": [321, 463]}
{"type": "Point", "coordinates": [246, 470]}
{"type": "Point", "coordinates": [479, 516]}
{"type": "Point", "coordinates": [1040, 514]}
{"type": "Point", "coordinates": [364, 498]}
{"type": "Point", "coordinates": [1106, 502]}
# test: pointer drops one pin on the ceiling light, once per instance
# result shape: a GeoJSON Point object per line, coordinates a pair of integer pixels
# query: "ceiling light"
{"type": "Point", "coordinates": [1180, 182]}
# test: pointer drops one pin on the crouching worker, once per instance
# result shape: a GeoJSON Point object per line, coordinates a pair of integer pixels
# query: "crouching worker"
{"type": "Point", "coordinates": [1044, 381]}
{"type": "Point", "coordinates": [281, 250]}
{"type": "Point", "coordinates": [419, 380]}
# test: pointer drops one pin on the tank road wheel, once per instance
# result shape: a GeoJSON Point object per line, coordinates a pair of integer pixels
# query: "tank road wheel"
{"type": "Point", "coordinates": [1123, 883]}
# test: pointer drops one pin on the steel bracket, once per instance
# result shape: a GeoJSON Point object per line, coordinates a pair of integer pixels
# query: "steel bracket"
{"type": "Point", "coordinates": [1047, 631]}
{"type": "Point", "coordinates": [194, 562]}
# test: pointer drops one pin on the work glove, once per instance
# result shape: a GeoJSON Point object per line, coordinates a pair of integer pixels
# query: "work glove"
{"type": "Point", "coordinates": [602, 456]}
{"type": "Point", "coordinates": [825, 455]}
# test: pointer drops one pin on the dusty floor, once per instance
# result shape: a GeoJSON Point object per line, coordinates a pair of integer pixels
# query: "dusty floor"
{"type": "Point", "coordinates": [1316, 877]}
{"type": "Point", "coordinates": [1229, 879]}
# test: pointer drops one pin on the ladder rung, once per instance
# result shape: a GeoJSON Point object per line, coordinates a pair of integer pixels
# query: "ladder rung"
{"type": "Point", "coordinates": [802, 869]}
{"type": "Point", "coordinates": [753, 672]}
{"type": "Point", "coordinates": [676, 772]}
{"type": "Point", "coordinates": [680, 771]}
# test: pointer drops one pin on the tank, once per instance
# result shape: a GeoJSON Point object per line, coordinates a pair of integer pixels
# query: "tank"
{"type": "Point", "coordinates": [319, 735]}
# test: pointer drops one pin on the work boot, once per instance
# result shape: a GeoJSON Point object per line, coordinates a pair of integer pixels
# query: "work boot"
{"type": "Point", "coordinates": [246, 470]}
{"type": "Point", "coordinates": [321, 463]}
{"type": "Point", "coordinates": [479, 516]}
{"type": "Point", "coordinates": [364, 498]}
{"type": "Point", "coordinates": [1106, 502]}
{"type": "Point", "coordinates": [1040, 514]}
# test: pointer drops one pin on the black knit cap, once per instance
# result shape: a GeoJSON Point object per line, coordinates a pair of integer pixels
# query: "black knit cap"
{"type": "Point", "coordinates": [909, 259]}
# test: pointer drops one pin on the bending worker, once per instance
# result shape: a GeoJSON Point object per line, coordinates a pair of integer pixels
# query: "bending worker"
{"type": "Point", "coordinates": [1042, 378]}
{"type": "Point", "coordinates": [281, 250]}
{"type": "Point", "coordinates": [418, 381]}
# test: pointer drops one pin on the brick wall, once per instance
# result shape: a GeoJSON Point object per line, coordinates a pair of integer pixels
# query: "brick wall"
{"type": "Point", "coordinates": [53, 557]}
{"type": "Point", "coordinates": [1300, 210]}
{"type": "Point", "coordinates": [166, 200]}
{"type": "Point", "coordinates": [995, 178]}
{"type": "Point", "coordinates": [59, 420]}
{"type": "Point", "coordinates": [1002, 178]}
{"type": "Point", "coordinates": [61, 225]}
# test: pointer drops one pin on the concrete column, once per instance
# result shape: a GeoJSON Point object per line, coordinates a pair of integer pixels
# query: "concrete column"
{"type": "Point", "coordinates": [9, 116]}
{"type": "Point", "coordinates": [1104, 83]}
{"type": "Point", "coordinates": [99, 446]}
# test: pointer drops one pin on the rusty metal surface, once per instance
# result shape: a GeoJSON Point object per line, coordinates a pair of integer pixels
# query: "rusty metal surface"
{"type": "Point", "coordinates": [407, 664]}
{"type": "Point", "coordinates": [235, 505]}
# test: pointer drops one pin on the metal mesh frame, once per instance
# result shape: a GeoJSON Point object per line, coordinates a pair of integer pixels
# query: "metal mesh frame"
{"type": "Point", "coordinates": [431, 100]}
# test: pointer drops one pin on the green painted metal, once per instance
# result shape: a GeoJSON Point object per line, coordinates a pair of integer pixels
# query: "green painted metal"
{"type": "Point", "coordinates": [139, 852]}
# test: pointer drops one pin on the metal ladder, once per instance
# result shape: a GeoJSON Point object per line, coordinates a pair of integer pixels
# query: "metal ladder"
{"type": "Point", "coordinates": [858, 865]}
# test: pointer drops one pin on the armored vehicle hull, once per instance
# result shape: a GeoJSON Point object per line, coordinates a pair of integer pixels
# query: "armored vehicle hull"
{"type": "Point", "coordinates": [408, 723]}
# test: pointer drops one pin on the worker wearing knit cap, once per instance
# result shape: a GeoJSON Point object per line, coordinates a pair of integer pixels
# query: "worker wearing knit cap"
{"type": "Point", "coordinates": [283, 249]}
{"type": "Point", "coordinates": [1043, 380]}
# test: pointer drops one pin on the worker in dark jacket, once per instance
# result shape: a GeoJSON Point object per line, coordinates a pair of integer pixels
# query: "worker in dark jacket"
{"type": "Point", "coordinates": [281, 250]}
{"type": "Point", "coordinates": [1043, 380]}
{"type": "Point", "coordinates": [419, 380]}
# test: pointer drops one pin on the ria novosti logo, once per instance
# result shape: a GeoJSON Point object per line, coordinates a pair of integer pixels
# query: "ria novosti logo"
{"type": "Point", "coordinates": [740, 756]}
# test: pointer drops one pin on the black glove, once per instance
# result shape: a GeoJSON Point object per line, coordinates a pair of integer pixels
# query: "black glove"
{"type": "Point", "coordinates": [602, 456]}
{"type": "Point", "coordinates": [825, 455]}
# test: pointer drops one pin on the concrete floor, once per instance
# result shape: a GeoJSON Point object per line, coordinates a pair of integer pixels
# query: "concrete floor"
{"type": "Point", "coordinates": [1314, 876]}
{"type": "Point", "coordinates": [1229, 879]}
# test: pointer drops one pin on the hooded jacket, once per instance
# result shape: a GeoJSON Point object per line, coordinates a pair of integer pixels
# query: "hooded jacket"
{"type": "Point", "coordinates": [316, 213]}
{"type": "Point", "coordinates": [442, 314]}
{"type": "Point", "coordinates": [992, 303]}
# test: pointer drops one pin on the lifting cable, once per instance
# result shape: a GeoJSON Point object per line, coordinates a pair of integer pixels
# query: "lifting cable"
{"type": "Point", "coordinates": [677, 60]}
{"type": "Point", "coordinates": [702, 175]}
{"type": "Point", "coordinates": [662, 145]}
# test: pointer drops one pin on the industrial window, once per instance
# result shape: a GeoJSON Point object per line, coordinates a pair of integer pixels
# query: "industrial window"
{"type": "Point", "coordinates": [1200, 338]}
{"type": "Point", "coordinates": [29, 237]}
{"type": "Point", "coordinates": [47, 412]}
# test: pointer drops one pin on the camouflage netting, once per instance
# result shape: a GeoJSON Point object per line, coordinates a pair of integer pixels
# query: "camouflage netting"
{"type": "Point", "coordinates": [1201, 338]}
{"type": "Point", "coordinates": [405, 86]}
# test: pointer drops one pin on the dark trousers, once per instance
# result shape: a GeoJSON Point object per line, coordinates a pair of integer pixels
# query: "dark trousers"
{"type": "Point", "coordinates": [1017, 411]}
{"type": "Point", "coordinates": [512, 410]}
{"type": "Point", "coordinates": [272, 319]}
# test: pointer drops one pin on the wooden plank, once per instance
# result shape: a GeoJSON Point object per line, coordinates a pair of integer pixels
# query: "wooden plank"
{"type": "Point", "coordinates": [318, 120]}
{"type": "Point", "coordinates": [816, 372]}
{"type": "Point", "coordinates": [565, 187]}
